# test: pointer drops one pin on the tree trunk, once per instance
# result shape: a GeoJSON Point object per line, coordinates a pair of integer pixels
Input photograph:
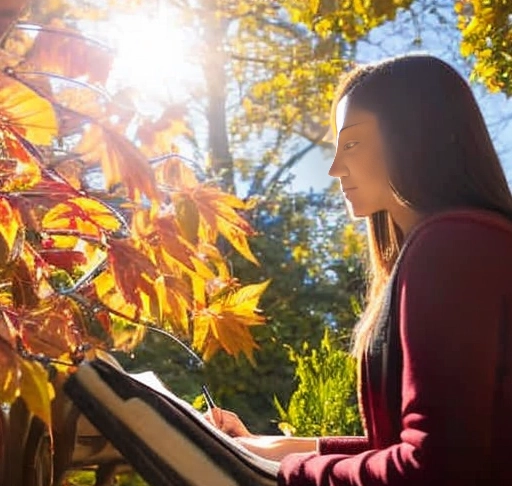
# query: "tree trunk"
{"type": "Point", "coordinates": [214, 66]}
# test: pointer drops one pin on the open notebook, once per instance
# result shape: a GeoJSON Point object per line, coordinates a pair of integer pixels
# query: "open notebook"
{"type": "Point", "coordinates": [164, 438]}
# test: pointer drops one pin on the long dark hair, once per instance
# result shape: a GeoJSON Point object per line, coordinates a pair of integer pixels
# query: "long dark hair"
{"type": "Point", "coordinates": [438, 149]}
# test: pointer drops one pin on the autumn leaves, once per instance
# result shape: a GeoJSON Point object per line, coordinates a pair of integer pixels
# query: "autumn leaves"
{"type": "Point", "coordinates": [96, 239]}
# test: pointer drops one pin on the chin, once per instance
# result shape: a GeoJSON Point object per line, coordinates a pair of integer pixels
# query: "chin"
{"type": "Point", "coordinates": [357, 212]}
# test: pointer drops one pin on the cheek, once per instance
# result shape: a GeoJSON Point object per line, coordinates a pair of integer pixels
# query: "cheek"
{"type": "Point", "coordinates": [368, 165]}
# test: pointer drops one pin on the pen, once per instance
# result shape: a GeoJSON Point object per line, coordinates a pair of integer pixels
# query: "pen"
{"type": "Point", "coordinates": [208, 397]}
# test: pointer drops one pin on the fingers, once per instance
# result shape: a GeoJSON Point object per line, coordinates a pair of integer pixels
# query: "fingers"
{"type": "Point", "coordinates": [215, 416]}
{"type": "Point", "coordinates": [227, 421]}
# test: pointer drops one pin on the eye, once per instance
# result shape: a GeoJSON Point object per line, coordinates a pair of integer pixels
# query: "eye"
{"type": "Point", "coordinates": [349, 145]}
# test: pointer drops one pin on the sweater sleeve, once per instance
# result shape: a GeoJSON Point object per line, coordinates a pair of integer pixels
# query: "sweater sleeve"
{"type": "Point", "coordinates": [343, 445]}
{"type": "Point", "coordinates": [450, 308]}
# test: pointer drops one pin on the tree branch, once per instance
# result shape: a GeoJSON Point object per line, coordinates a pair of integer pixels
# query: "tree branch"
{"type": "Point", "coordinates": [288, 165]}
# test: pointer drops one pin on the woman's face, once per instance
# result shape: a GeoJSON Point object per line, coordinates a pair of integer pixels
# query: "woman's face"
{"type": "Point", "coordinates": [359, 162]}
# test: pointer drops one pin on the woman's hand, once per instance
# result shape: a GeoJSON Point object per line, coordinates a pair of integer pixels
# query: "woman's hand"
{"type": "Point", "coordinates": [275, 447]}
{"type": "Point", "coordinates": [228, 422]}
{"type": "Point", "coordinates": [269, 447]}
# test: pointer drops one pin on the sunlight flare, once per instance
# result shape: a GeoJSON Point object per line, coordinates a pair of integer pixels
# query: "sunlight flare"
{"type": "Point", "coordinates": [154, 55]}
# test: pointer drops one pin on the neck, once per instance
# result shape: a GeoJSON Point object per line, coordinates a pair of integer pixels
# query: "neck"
{"type": "Point", "coordinates": [405, 218]}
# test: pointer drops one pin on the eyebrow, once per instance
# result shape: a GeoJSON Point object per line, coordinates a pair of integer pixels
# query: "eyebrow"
{"type": "Point", "coordinates": [350, 126]}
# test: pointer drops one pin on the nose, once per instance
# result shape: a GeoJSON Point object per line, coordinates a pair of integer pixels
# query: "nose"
{"type": "Point", "coordinates": [338, 168]}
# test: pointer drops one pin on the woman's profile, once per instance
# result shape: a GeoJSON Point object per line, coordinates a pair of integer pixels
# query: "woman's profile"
{"type": "Point", "coordinates": [434, 345]}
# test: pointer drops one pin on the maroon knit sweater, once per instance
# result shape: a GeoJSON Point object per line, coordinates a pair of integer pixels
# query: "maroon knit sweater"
{"type": "Point", "coordinates": [454, 321]}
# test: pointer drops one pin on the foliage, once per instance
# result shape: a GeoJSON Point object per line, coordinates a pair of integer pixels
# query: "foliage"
{"type": "Point", "coordinates": [351, 19]}
{"type": "Point", "coordinates": [97, 241]}
{"type": "Point", "coordinates": [486, 27]}
{"type": "Point", "coordinates": [325, 401]}
{"type": "Point", "coordinates": [320, 285]}
{"type": "Point", "coordinates": [317, 283]}
{"type": "Point", "coordinates": [88, 478]}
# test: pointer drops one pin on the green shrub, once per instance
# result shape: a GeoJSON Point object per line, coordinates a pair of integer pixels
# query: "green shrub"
{"type": "Point", "coordinates": [325, 401]}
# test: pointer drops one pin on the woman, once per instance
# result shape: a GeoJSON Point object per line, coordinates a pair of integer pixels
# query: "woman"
{"type": "Point", "coordinates": [414, 157]}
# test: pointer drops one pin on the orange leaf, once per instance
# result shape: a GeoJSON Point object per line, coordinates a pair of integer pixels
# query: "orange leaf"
{"type": "Point", "coordinates": [217, 214]}
{"type": "Point", "coordinates": [52, 329]}
{"type": "Point", "coordinates": [121, 161]}
{"type": "Point", "coordinates": [66, 52]}
{"type": "Point", "coordinates": [25, 113]}
{"type": "Point", "coordinates": [174, 173]}
{"type": "Point", "coordinates": [10, 231]}
{"type": "Point", "coordinates": [177, 249]}
{"type": "Point", "coordinates": [18, 170]}
{"type": "Point", "coordinates": [133, 271]}
{"type": "Point", "coordinates": [158, 137]}
{"type": "Point", "coordinates": [24, 285]}
{"type": "Point", "coordinates": [227, 321]}
{"type": "Point", "coordinates": [8, 332]}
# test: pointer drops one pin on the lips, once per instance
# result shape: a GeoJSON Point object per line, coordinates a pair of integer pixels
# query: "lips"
{"type": "Point", "coordinates": [349, 189]}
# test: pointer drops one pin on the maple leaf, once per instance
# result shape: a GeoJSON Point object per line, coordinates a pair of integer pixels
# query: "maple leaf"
{"type": "Point", "coordinates": [18, 169]}
{"type": "Point", "coordinates": [27, 275]}
{"type": "Point", "coordinates": [212, 254]}
{"type": "Point", "coordinates": [36, 390]}
{"type": "Point", "coordinates": [176, 250]}
{"type": "Point", "coordinates": [125, 334]}
{"type": "Point", "coordinates": [25, 113]}
{"type": "Point", "coordinates": [133, 271]}
{"type": "Point", "coordinates": [29, 380]}
{"type": "Point", "coordinates": [217, 214]}
{"type": "Point", "coordinates": [121, 161]}
{"type": "Point", "coordinates": [8, 332]}
{"type": "Point", "coordinates": [71, 171]}
{"type": "Point", "coordinates": [173, 173]}
{"type": "Point", "coordinates": [9, 380]}
{"type": "Point", "coordinates": [84, 215]}
{"type": "Point", "coordinates": [158, 137]}
{"type": "Point", "coordinates": [52, 329]}
{"type": "Point", "coordinates": [76, 105]}
{"type": "Point", "coordinates": [63, 258]}
{"type": "Point", "coordinates": [63, 51]}
{"type": "Point", "coordinates": [225, 323]}
{"type": "Point", "coordinates": [24, 285]}
{"type": "Point", "coordinates": [11, 232]}
{"type": "Point", "coordinates": [176, 300]}
{"type": "Point", "coordinates": [110, 295]}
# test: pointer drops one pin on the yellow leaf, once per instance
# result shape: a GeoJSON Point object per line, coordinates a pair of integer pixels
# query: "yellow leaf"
{"type": "Point", "coordinates": [175, 301]}
{"type": "Point", "coordinates": [36, 390]}
{"type": "Point", "coordinates": [9, 230]}
{"type": "Point", "coordinates": [126, 335]}
{"type": "Point", "coordinates": [202, 324]}
{"type": "Point", "coordinates": [9, 373]}
{"type": "Point", "coordinates": [26, 113]}
{"type": "Point", "coordinates": [109, 294]}
{"type": "Point", "coordinates": [82, 214]}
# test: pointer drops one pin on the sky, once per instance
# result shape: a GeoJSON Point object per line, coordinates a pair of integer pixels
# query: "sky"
{"type": "Point", "coordinates": [438, 38]}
